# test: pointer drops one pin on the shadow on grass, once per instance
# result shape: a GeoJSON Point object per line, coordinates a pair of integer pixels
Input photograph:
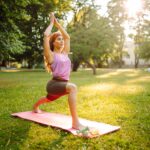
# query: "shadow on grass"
{"type": "Point", "coordinates": [57, 142]}
{"type": "Point", "coordinates": [13, 132]}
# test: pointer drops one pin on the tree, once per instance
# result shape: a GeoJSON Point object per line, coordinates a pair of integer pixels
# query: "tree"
{"type": "Point", "coordinates": [10, 34]}
{"type": "Point", "coordinates": [142, 33]}
{"type": "Point", "coordinates": [91, 38]}
{"type": "Point", "coordinates": [22, 24]}
{"type": "Point", "coordinates": [142, 37]}
{"type": "Point", "coordinates": [117, 16]}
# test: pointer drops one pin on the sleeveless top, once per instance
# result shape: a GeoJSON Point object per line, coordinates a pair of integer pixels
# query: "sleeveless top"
{"type": "Point", "coordinates": [61, 66]}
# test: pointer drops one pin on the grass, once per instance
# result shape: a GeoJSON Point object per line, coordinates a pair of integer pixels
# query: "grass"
{"type": "Point", "coordinates": [116, 96]}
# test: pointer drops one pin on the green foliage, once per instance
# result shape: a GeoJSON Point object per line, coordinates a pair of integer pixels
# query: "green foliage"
{"type": "Point", "coordinates": [145, 50]}
{"type": "Point", "coordinates": [91, 37]}
{"type": "Point", "coordinates": [10, 34]}
{"type": "Point", "coordinates": [22, 24]}
{"type": "Point", "coordinates": [10, 45]}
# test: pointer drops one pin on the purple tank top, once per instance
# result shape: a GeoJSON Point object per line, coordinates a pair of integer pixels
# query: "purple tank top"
{"type": "Point", "coordinates": [61, 66]}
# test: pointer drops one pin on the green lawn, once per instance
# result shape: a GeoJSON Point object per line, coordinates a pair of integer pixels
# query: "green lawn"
{"type": "Point", "coordinates": [116, 96]}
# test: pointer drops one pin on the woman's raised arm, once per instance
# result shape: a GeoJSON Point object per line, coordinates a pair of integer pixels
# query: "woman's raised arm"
{"type": "Point", "coordinates": [47, 51]}
{"type": "Point", "coordinates": [65, 36]}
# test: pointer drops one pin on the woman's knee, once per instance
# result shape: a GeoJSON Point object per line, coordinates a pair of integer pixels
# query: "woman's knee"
{"type": "Point", "coordinates": [71, 87]}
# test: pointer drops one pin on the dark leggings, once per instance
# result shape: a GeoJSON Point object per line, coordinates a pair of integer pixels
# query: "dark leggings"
{"type": "Point", "coordinates": [56, 88]}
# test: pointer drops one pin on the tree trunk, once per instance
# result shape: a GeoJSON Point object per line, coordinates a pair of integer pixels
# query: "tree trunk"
{"type": "Point", "coordinates": [92, 66]}
{"type": "Point", "coordinates": [75, 65]}
{"type": "Point", "coordinates": [30, 64]}
{"type": "Point", "coordinates": [120, 63]}
{"type": "Point", "coordinates": [136, 61]}
{"type": "Point", "coordinates": [120, 50]}
{"type": "Point", "coordinates": [4, 63]}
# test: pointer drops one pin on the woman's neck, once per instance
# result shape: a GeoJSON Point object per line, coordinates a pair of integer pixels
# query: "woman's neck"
{"type": "Point", "coordinates": [57, 50]}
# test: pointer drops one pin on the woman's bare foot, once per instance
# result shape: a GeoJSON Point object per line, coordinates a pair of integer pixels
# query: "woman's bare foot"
{"type": "Point", "coordinates": [78, 126]}
{"type": "Point", "coordinates": [85, 130]}
{"type": "Point", "coordinates": [82, 130]}
{"type": "Point", "coordinates": [37, 110]}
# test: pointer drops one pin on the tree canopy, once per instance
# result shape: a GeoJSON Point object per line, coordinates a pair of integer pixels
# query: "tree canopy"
{"type": "Point", "coordinates": [95, 39]}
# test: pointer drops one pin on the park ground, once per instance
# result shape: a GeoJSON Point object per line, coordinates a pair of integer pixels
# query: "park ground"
{"type": "Point", "coordinates": [115, 96]}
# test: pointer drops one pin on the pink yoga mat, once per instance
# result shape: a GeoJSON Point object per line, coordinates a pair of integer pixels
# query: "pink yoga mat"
{"type": "Point", "coordinates": [64, 122]}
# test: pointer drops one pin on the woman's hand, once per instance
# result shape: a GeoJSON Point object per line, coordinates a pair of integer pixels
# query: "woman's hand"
{"type": "Point", "coordinates": [49, 28]}
{"type": "Point", "coordinates": [52, 17]}
{"type": "Point", "coordinates": [56, 23]}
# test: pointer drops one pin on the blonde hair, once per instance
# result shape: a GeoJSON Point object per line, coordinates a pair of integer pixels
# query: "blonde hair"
{"type": "Point", "coordinates": [53, 36]}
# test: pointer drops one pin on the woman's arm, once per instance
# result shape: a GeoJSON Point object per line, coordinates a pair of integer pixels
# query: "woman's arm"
{"type": "Point", "coordinates": [47, 51]}
{"type": "Point", "coordinates": [65, 36]}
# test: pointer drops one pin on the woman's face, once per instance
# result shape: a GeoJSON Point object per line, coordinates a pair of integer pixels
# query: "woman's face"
{"type": "Point", "coordinates": [59, 42]}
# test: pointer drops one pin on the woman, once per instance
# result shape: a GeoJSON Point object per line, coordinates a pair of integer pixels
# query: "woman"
{"type": "Point", "coordinates": [56, 49]}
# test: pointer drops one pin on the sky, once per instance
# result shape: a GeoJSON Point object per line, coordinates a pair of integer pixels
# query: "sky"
{"type": "Point", "coordinates": [103, 4]}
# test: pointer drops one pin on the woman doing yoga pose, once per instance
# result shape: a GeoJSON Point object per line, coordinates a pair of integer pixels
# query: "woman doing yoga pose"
{"type": "Point", "coordinates": [56, 49]}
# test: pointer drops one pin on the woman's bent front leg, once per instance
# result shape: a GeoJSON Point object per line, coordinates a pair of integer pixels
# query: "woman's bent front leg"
{"type": "Point", "coordinates": [72, 89]}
